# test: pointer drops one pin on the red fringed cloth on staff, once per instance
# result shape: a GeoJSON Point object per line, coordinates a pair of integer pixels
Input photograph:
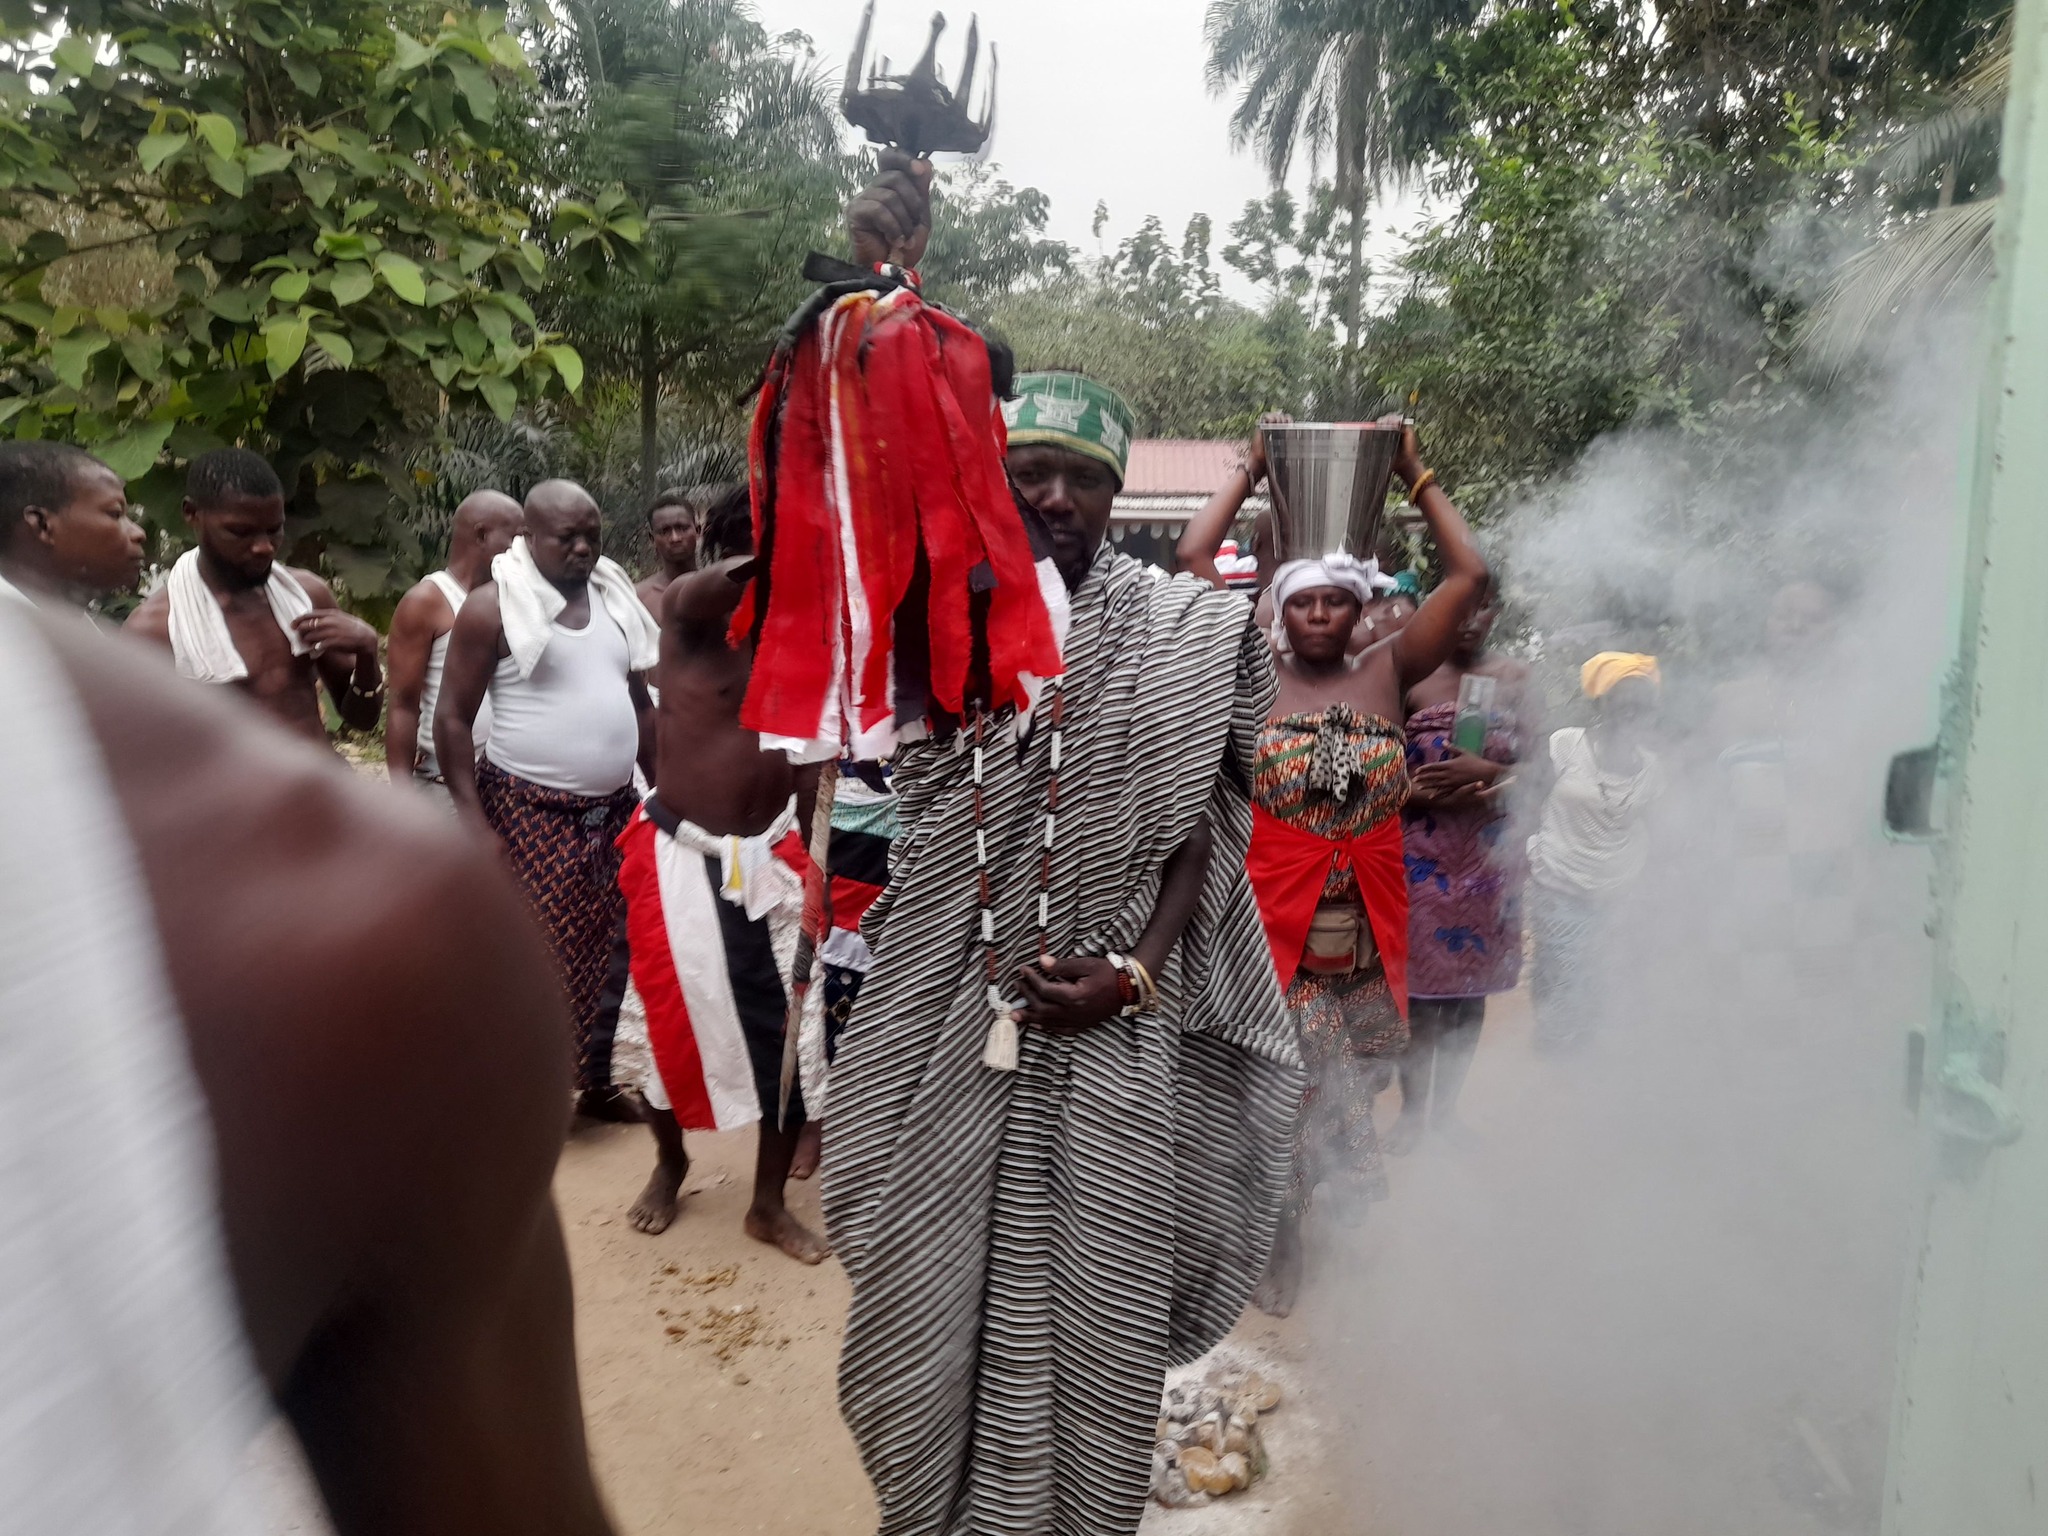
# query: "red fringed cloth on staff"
{"type": "Point", "coordinates": [895, 579]}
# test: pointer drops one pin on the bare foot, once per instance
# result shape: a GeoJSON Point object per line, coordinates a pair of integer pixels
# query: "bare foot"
{"type": "Point", "coordinates": [1405, 1137]}
{"type": "Point", "coordinates": [779, 1229]}
{"type": "Point", "coordinates": [656, 1208]}
{"type": "Point", "coordinates": [809, 1142]}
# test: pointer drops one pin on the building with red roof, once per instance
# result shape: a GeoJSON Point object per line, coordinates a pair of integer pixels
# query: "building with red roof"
{"type": "Point", "coordinates": [1168, 480]}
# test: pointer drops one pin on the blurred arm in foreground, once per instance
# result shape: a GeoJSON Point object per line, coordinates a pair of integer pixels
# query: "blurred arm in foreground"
{"type": "Point", "coordinates": [406, 1300]}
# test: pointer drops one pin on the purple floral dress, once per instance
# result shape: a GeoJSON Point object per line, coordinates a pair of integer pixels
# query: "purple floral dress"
{"type": "Point", "coordinates": [1464, 876]}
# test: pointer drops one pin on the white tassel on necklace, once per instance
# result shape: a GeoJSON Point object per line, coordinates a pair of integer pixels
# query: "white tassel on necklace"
{"type": "Point", "coordinates": [1000, 1053]}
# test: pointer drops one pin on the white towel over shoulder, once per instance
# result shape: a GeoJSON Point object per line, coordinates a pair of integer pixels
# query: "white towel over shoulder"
{"type": "Point", "coordinates": [528, 604]}
{"type": "Point", "coordinates": [200, 642]}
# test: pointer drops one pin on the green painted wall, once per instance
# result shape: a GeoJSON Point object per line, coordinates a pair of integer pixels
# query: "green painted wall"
{"type": "Point", "coordinates": [1970, 1431]}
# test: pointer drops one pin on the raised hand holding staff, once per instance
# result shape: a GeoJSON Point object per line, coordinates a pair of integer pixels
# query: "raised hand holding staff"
{"type": "Point", "coordinates": [891, 220]}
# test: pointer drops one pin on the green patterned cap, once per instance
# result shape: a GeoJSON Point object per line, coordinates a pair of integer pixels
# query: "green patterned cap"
{"type": "Point", "coordinates": [1069, 411]}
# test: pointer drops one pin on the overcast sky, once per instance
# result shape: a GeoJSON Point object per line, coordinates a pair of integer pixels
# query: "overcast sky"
{"type": "Point", "coordinates": [1100, 99]}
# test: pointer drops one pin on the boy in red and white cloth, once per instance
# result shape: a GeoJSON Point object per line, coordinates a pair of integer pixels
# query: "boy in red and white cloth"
{"type": "Point", "coordinates": [713, 873]}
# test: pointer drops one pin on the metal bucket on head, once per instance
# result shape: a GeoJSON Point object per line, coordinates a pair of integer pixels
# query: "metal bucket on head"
{"type": "Point", "coordinates": [1329, 485]}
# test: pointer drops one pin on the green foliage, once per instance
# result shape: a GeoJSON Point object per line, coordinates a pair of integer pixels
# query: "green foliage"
{"type": "Point", "coordinates": [727, 139]}
{"type": "Point", "coordinates": [988, 239]}
{"type": "Point", "coordinates": [1524, 333]}
{"type": "Point", "coordinates": [1646, 199]}
{"type": "Point", "coordinates": [1152, 322]}
{"type": "Point", "coordinates": [1606, 265]}
{"type": "Point", "coordinates": [1347, 79]}
{"type": "Point", "coordinates": [1353, 80]}
{"type": "Point", "coordinates": [407, 252]}
{"type": "Point", "coordinates": [323, 186]}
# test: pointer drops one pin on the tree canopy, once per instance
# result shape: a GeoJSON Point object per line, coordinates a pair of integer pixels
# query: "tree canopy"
{"type": "Point", "coordinates": [331, 238]}
{"type": "Point", "coordinates": [410, 248]}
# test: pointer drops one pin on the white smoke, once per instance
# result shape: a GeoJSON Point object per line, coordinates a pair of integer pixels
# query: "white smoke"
{"type": "Point", "coordinates": [1654, 1288]}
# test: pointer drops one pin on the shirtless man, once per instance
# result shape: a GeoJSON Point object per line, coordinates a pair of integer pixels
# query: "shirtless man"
{"type": "Point", "coordinates": [235, 505]}
{"type": "Point", "coordinates": [485, 525]}
{"type": "Point", "coordinates": [406, 1302]}
{"type": "Point", "coordinates": [65, 532]}
{"type": "Point", "coordinates": [713, 783]}
{"type": "Point", "coordinates": [674, 526]}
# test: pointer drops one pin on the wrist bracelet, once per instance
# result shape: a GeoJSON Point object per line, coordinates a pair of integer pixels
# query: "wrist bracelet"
{"type": "Point", "coordinates": [1130, 985]}
{"type": "Point", "coordinates": [1422, 483]}
{"type": "Point", "coordinates": [365, 693]}
{"type": "Point", "coordinates": [1143, 994]}
{"type": "Point", "coordinates": [1148, 989]}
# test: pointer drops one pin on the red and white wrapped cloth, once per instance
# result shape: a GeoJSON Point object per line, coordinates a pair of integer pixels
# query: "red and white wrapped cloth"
{"type": "Point", "coordinates": [896, 580]}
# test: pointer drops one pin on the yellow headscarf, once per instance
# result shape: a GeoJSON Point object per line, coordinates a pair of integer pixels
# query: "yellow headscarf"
{"type": "Point", "coordinates": [1598, 676]}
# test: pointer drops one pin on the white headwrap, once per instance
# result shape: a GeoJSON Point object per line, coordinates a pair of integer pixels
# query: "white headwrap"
{"type": "Point", "coordinates": [1361, 578]}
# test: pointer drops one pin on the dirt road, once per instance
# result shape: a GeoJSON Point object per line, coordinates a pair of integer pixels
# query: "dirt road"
{"type": "Point", "coordinates": [1535, 1334]}
{"type": "Point", "coordinates": [707, 1358]}
{"type": "Point", "coordinates": [708, 1362]}
{"type": "Point", "coordinates": [708, 1365]}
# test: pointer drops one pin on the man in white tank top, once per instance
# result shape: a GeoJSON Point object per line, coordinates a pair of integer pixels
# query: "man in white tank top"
{"type": "Point", "coordinates": [485, 525]}
{"type": "Point", "coordinates": [560, 644]}
{"type": "Point", "coordinates": [251, 1219]}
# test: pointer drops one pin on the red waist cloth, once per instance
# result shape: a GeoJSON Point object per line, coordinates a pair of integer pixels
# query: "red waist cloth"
{"type": "Point", "coordinates": [1288, 868]}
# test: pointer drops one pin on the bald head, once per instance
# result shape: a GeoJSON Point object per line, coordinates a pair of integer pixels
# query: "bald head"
{"type": "Point", "coordinates": [485, 525]}
{"type": "Point", "coordinates": [482, 508]}
{"type": "Point", "coordinates": [564, 530]}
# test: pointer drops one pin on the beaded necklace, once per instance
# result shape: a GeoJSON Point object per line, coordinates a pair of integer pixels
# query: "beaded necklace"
{"type": "Point", "coordinates": [1001, 1051]}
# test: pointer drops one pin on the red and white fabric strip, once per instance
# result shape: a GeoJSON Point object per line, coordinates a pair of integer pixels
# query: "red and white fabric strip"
{"type": "Point", "coordinates": [679, 966]}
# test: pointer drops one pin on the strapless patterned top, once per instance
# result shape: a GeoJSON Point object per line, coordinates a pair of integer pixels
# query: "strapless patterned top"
{"type": "Point", "coordinates": [1334, 772]}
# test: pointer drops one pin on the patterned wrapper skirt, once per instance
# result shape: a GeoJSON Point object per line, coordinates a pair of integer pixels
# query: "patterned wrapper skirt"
{"type": "Point", "coordinates": [1351, 1035]}
{"type": "Point", "coordinates": [1465, 879]}
{"type": "Point", "coordinates": [562, 849]}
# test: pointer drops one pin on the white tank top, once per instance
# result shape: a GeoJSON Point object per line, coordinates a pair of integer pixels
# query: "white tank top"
{"type": "Point", "coordinates": [127, 1391]}
{"type": "Point", "coordinates": [430, 693]}
{"type": "Point", "coordinates": [572, 724]}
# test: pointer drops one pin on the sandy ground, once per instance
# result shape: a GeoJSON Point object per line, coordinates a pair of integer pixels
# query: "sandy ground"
{"type": "Point", "coordinates": [708, 1361]}
{"type": "Point", "coordinates": [708, 1365]}
{"type": "Point", "coordinates": [708, 1358]}
{"type": "Point", "coordinates": [1491, 1350]}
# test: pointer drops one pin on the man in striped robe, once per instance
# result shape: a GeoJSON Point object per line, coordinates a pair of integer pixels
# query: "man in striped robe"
{"type": "Point", "coordinates": [1031, 1250]}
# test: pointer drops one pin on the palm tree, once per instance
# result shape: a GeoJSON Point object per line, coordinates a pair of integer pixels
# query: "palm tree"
{"type": "Point", "coordinates": [1948, 245]}
{"type": "Point", "coordinates": [1342, 78]}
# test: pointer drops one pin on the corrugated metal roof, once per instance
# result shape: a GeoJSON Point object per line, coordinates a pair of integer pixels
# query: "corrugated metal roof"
{"type": "Point", "coordinates": [1181, 466]}
{"type": "Point", "coordinates": [1182, 507]}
